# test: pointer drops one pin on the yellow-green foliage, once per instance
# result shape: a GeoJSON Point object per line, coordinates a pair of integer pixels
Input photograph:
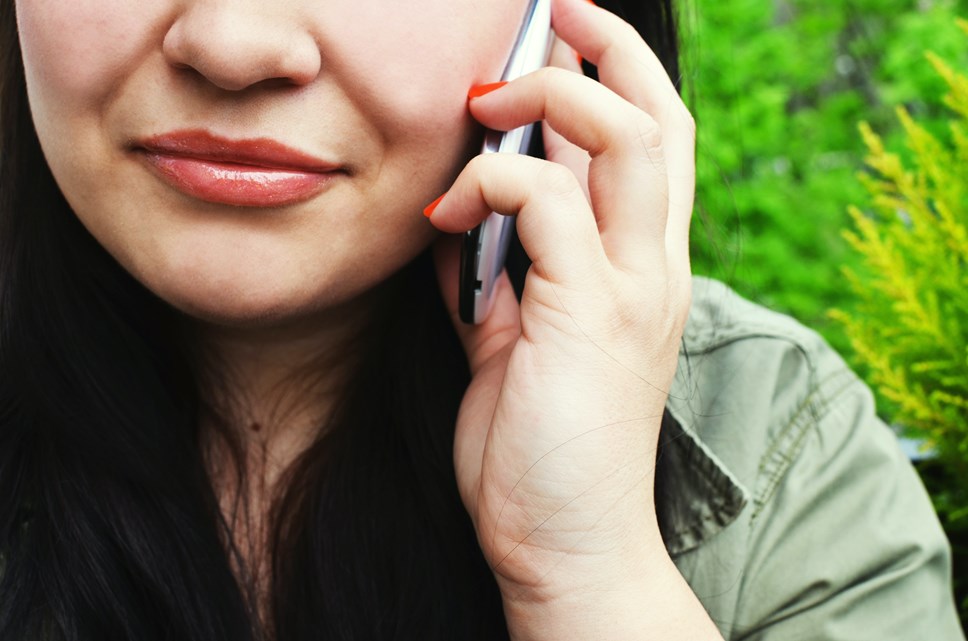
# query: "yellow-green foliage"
{"type": "Point", "coordinates": [909, 327]}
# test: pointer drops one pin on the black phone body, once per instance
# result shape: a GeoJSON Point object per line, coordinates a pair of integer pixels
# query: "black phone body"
{"type": "Point", "coordinates": [485, 247]}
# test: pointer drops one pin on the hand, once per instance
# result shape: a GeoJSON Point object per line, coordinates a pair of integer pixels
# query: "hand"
{"type": "Point", "coordinates": [557, 433]}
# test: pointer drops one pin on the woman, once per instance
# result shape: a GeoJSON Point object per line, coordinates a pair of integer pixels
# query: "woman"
{"type": "Point", "coordinates": [235, 404]}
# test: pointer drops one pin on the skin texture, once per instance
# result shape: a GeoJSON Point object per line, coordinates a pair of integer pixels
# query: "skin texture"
{"type": "Point", "coordinates": [276, 287]}
{"type": "Point", "coordinates": [556, 438]}
{"type": "Point", "coordinates": [292, 71]}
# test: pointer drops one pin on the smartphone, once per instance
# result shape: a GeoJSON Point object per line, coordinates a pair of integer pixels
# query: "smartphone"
{"type": "Point", "coordinates": [485, 247]}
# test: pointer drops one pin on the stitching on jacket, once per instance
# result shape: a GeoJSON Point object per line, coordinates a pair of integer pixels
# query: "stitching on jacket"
{"type": "Point", "coordinates": [783, 450]}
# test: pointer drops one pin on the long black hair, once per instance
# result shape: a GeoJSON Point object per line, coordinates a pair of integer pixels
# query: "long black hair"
{"type": "Point", "coordinates": [109, 526]}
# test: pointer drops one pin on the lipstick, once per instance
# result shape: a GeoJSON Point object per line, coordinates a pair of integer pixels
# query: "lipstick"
{"type": "Point", "coordinates": [254, 172]}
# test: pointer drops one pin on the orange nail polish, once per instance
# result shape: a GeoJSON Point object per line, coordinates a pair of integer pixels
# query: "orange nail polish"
{"type": "Point", "coordinates": [480, 90]}
{"type": "Point", "coordinates": [429, 209]}
{"type": "Point", "coordinates": [578, 57]}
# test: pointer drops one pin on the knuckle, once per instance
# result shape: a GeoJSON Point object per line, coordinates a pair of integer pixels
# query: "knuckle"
{"type": "Point", "coordinates": [631, 312]}
{"type": "Point", "coordinates": [647, 134]}
{"type": "Point", "coordinates": [478, 165]}
{"type": "Point", "coordinates": [557, 180]}
{"type": "Point", "coordinates": [548, 76]}
{"type": "Point", "coordinates": [659, 299]}
{"type": "Point", "coordinates": [642, 139]}
{"type": "Point", "coordinates": [633, 304]}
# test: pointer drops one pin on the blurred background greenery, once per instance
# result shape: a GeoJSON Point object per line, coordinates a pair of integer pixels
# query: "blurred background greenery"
{"type": "Point", "coordinates": [778, 88]}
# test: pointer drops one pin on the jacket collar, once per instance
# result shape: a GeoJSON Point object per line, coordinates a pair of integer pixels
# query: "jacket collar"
{"type": "Point", "coordinates": [696, 495]}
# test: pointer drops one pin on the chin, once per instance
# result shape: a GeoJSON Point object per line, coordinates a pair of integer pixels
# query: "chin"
{"type": "Point", "coordinates": [262, 287]}
{"type": "Point", "coordinates": [240, 313]}
{"type": "Point", "coordinates": [246, 302]}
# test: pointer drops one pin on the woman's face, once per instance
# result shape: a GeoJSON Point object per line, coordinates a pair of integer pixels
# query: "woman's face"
{"type": "Point", "coordinates": [158, 118]}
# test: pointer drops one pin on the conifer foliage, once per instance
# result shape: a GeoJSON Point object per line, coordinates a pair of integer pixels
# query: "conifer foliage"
{"type": "Point", "coordinates": [909, 324]}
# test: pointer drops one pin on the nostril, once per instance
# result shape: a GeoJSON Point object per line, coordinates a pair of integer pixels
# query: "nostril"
{"type": "Point", "coordinates": [235, 50]}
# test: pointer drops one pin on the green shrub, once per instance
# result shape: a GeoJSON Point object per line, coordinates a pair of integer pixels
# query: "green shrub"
{"type": "Point", "coordinates": [908, 326]}
{"type": "Point", "coordinates": [777, 89]}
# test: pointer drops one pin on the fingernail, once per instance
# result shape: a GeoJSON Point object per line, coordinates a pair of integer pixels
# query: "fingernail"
{"type": "Point", "coordinates": [578, 57]}
{"type": "Point", "coordinates": [429, 209]}
{"type": "Point", "coordinates": [480, 90]}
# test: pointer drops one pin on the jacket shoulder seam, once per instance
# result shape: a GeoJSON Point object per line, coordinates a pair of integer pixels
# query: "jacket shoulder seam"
{"type": "Point", "coordinates": [783, 450]}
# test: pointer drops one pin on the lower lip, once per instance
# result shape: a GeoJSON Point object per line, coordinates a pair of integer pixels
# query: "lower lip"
{"type": "Point", "coordinates": [239, 185]}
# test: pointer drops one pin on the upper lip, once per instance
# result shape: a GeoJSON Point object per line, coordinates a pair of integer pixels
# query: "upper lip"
{"type": "Point", "coordinates": [258, 152]}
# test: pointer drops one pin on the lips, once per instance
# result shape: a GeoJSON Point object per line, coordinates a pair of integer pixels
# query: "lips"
{"type": "Point", "coordinates": [255, 172]}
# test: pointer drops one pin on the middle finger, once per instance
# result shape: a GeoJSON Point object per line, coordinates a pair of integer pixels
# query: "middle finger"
{"type": "Point", "coordinates": [628, 66]}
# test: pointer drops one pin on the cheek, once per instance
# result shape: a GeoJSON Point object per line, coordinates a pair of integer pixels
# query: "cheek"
{"type": "Point", "coordinates": [412, 71]}
{"type": "Point", "coordinates": [104, 40]}
{"type": "Point", "coordinates": [78, 55]}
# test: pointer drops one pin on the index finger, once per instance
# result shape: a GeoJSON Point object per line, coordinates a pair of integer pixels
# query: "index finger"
{"type": "Point", "coordinates": [627, 178]}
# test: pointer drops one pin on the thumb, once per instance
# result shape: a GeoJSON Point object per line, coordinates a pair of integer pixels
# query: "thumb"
{"type": "Point", "coordinates": [503, 323]}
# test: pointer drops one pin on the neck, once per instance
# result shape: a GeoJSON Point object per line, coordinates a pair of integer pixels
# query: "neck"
{"type": "Point", "coordinates": [268, 390]}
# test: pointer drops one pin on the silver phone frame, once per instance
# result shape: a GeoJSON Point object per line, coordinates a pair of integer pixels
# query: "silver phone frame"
{"type": "Point", "coordinates": [486, 245]}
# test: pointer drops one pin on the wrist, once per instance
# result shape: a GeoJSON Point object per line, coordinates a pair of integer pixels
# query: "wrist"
{"type": "Point", "coordinates": [617, 561]}
{"type": "Point", "coordinates": [635, 604]}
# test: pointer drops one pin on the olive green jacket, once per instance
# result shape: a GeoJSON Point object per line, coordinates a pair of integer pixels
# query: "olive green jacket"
{"type": "Point", "coordinates": [786, 504]}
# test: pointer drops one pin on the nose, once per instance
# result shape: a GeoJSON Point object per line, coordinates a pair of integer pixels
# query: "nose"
{"type": "Point", "coordinates": [236, 44]}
